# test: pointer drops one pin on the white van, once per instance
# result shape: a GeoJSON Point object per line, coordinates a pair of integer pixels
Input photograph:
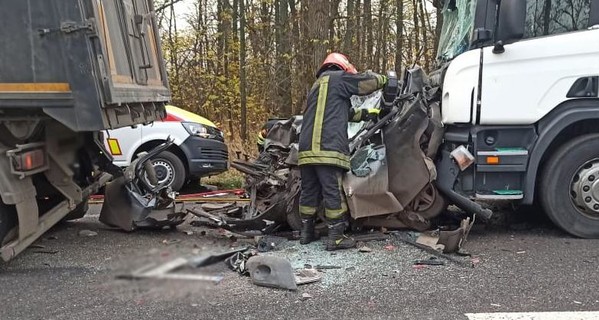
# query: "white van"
{"type": "Point", "coordinates": [199, 149]}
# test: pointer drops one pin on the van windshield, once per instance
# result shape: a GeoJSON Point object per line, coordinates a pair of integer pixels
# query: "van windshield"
{"type": "Point", "coordinates": [458, 22]}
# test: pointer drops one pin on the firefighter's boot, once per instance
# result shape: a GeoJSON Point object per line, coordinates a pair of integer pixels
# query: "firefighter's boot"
{"type": "Point", "coordinates": [336, 239]}
{"type": "Point", "coordinates": [308, 233]}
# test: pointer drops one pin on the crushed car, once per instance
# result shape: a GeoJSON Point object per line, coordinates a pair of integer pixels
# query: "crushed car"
{"type": "Point", "coordinates": [391, 183]}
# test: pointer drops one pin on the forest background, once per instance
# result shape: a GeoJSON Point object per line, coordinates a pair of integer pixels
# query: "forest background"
{"type": "Point", "coordinates": [241, 62]}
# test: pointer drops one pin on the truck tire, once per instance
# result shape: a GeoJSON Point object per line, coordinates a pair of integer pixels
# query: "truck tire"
{"type": "Point", "coordinates": [569, 187]}
{"type": "Point", "coordinates": [170, 168]}
{"type": "Point", "coordinates": [79, 211]}
{"type": "Point", "coordinates": [8, 220]}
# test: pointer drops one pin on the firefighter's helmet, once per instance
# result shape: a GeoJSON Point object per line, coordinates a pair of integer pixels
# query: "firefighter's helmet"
{"type": "Point", "coordinates": [336, 60]}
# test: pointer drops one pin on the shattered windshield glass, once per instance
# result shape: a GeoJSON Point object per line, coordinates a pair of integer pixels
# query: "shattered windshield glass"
{"type": "Point", "coordinates": [363, 102]}
{"type": "Point", "coordinates": [458, 22]}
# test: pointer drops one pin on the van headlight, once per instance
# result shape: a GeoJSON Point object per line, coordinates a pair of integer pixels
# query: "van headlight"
{"type": "Point", "coordinates": [196, 129]}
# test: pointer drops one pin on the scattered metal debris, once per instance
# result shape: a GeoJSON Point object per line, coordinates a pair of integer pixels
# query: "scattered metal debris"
{"type": "Point", "coordinates": [432, 261]}
{"type": "Point", "coordinates": [271, 271]}
{"type": "Point", "coordinates": [163, 271]}
{"type": "Point", "coordinates": [305, 276]}
{"type": "Point", "coordinates": [306, 296]}
{"type": "Point", "coordinates": [270, 243]}
{"type": "Point", "coordinates": [364, 249]}
{"type": "Point", "coordinates": [408, 240]}
{"type": "Point", "coordinates": [87, 233]}
{"type": "Point", "coordinates": [136, 199]}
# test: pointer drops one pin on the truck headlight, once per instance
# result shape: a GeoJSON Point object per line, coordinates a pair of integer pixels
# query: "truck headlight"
{"type": "Point", "coordinates": [196, 129]}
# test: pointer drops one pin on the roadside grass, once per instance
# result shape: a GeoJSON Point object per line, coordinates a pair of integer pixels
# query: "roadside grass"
{"type": "Point", "coordinates": [231, 179]}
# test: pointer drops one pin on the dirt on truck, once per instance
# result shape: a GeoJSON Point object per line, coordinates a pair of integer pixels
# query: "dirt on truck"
{"type": "Point", "coordinates": [69, 69]}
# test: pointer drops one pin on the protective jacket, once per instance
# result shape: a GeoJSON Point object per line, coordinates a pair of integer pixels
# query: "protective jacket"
{"type": "Point", "coordinates": [323, 138]}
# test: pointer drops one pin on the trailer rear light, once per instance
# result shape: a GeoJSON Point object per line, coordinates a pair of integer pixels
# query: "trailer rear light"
{"type": "Point", "coordinates": [28, 159]}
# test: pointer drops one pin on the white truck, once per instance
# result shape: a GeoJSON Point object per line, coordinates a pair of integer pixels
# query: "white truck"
{"type": "Point", "coordinates": [520, 84]}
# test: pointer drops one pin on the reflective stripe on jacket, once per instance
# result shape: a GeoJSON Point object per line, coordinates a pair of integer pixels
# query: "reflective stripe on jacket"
{"type": "Point", "coordinates": [323, 138]}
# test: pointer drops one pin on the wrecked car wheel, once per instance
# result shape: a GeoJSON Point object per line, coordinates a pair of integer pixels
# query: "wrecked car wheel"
{"type": "Point", "coordinates": [569, 188]}
{"type": "Point", "coordinates": [429, 203]}
{"type": "Point", "coordinates": [169, 170]}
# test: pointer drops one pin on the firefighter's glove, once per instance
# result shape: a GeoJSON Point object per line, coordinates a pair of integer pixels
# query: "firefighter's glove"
{"type": "Point", "coordinates": [370, 114]}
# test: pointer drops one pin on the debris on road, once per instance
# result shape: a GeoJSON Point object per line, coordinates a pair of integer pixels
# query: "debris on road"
{"type": "Point", "coordinates": [364, 249]}
{"type": "Point", "coordinates": [408, 239]}
{"type": "Point", "coordinates": [432, 261]}
{"type": "Point", "coordinates": [306, 296]}
{"type": "Point", "coordinates": [270, 243]}
{"type": "Point", "coordinates": [305, 276]}
{"type": "Point", "coordinates": [164, 271]}
{"type": "Point", "coordinates": [238, 261]}
{"type": "Point", "coordinates": [87, 233]}
{"type": "Point", "coordinates": [170, 241]}
{"type": "Point", "coordinates": [271, 271]}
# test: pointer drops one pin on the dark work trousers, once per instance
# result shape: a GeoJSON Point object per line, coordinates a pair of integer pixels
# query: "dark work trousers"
{"type": "Point", "coordinates": [322, 182]}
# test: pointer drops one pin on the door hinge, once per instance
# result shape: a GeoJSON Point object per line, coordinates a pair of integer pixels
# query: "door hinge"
{"type": "Point", "coordinates": [67, 27]}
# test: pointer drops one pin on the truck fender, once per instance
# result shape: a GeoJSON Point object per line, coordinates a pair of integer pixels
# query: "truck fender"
{"type": "Point", "coordinates": [549, 128]}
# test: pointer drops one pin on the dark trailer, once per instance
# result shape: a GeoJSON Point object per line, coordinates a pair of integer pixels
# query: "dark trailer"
{"type": "Point", "coordinates": [89, 64]}
{"type": "Point", "coordinates": [68, 70]}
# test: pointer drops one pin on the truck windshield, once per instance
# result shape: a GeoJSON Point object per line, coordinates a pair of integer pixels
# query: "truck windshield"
{"type": "Point", "coordinates": [458, 22]}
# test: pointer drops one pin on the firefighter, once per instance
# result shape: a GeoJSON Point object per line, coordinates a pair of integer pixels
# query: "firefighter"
{"type": "Point", "coordinates": [324, 145]}
{"type": "Point", "coordinates": [260, 139]}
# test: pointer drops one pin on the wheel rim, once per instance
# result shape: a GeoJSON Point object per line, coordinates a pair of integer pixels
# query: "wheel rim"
{"type": "Point", "coordinates": [165, 173]}
{"type": "Point", "coordinates": [425, 199]}
{"type": "Point", "coordinates": [584, 189]}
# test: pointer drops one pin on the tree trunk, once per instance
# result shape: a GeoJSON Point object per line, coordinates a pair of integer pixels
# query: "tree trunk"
{"type": "Point", "coordinates": [438, 26]}
{"type": "Point", "coordinates": [242, 65]}
{"type": "Point", "coordinates": [369, 33]}
{"type": "Point", "coordinates": [424, 29]}
{"type": "Point", "coordinates": [333, 13]}
{"type": "Point", "coordinates": [416, 31]}
{"type": "Point", "coordinates": [349, 29]}
{"type": "Point", "coordinates": [547, 17]}
{"type": "Point", "coordinates": [399, 36]}
{"type": "Point", "coordinates": [283, 53]}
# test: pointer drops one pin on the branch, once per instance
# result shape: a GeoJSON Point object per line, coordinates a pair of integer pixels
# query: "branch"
{"type": "Point", "coordinates": [166, 5]}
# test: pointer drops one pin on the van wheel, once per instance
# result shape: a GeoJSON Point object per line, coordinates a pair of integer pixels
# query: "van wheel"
{"type": "Point", "coordinates": [170, 169]}
{"type": "Point", "coordinates": [8, 220]}
{"type": "Point", "coordinates": [570, 187]}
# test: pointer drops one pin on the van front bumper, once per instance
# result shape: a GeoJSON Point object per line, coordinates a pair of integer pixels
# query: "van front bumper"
{"type": "Point", "coordinates": [205, 157]}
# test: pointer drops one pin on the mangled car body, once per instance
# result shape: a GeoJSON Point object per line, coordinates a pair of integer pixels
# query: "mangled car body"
{"type": "Point", "coordinates": [496, 117]}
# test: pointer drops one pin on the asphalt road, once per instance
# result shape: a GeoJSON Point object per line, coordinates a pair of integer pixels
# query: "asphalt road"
{"type": "Point", "coordinates": [528, 267]}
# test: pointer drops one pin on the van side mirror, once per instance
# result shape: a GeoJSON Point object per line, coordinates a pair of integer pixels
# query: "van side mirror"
{"type": "Point", "coordinates": [511, 23]}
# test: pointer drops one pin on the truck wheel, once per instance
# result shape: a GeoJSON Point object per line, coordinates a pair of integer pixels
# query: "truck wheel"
{"type": "Point", "coordinates": [8, 220]}
{"type": "Point", "coordinates": [570, 187]}
{"type": "Point", "coordinates": [79, 211]}
{"type": "Point", "coordinates": [170, 169]}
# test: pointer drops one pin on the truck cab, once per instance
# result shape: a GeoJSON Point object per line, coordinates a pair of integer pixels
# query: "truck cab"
{"type": "Point", "coordinates": [520, 85]}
